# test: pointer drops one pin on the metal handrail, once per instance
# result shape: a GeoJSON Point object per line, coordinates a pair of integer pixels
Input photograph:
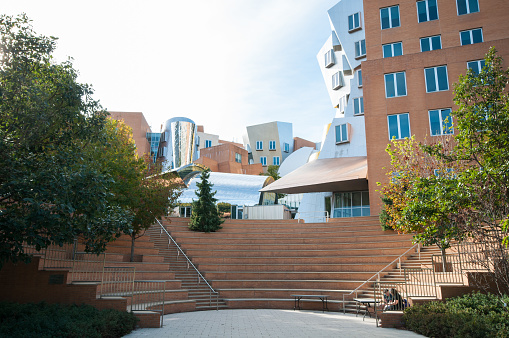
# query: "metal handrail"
{"type": "Point", "coordinates": [190, 263]}
{"type": "Point", "coordinates": [378, 273]}
{"type": "Point", "coordinates": [314, 212]}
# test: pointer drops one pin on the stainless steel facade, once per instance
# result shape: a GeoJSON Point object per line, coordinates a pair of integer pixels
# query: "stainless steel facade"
{"type": "Point", "coordinates": [178, 143]}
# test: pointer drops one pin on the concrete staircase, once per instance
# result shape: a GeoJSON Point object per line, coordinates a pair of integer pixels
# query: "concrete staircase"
{"type": "Point", "coordinates": [261, 263]}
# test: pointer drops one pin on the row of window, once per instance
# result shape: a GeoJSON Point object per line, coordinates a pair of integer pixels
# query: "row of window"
{"type": "Point", "coordinates": [272, 146]}
{"type": "Point", "coordinates": [427, 10]}
{"type": "Point", "coordinates": [275, 160]}
{"type": "Point", "coordinates": [440, 123]}
{"type": "Point", "coordinates": [435, 78]}
{"type": "Point", "coordinates": [429, 43]}
{"type": "Point", "coordinates": [338, 80]}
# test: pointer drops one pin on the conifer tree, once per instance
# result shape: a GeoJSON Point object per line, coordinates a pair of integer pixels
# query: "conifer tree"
{"type": "Point", "coordinates": [205, 216]}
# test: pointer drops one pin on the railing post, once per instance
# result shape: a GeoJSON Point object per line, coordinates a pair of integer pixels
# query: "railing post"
{"type": "Point", "coordinates": [399, 262]}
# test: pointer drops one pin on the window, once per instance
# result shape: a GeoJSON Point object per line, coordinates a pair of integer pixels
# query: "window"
{"type": "Point", "coordinates": [360, 49]}
{"type": "Point", "coordinates": [272, 145]}
{"type": "Point", "coordinates": [476, 66]}
{"type": "Point", "coordinates": [208, 143]}
{"type": "Point", "coordinates": [427, 10]}
{"type": "Point", "coordinates": [354, 22]}
{"type": "Point", "coordinates": [440, 122]}
{"type": "Point", "coordinates": [395, 84]}
{"type": "Point", "coordinates": [259, 145]}
{"type": "Point", "coordinates": [263, 160]}
{"type": "Point", "coordinates": [392, 49]}
{"type": "Point", "coordinates": [351, 204]}
{"type": "Point", "coordinates": [471, 36]}
{"type": "Point", "coordinates": [329, 59]}
{"type": "Point", "coordinates": [436, 79]}
{"type": "Point", "coordinates": [389, 17]}
{"type": "Point", "coordinates": [342, 133]}
{"type": "Point", "coordinates": [431, 43]}
{"type": "Point", "coordinates": [343, 100]}
{"type": "Point", "coordinates": [359, 78]}
{"type": "Point", "coordinates": [467, 6]}
{"type": "Point", "coordinates": [399, 126]}
{"type": "Point", "coordinates": [358, 106]}
{"type": "Point", "coordinates": [275, 160]}
{"type": "Point", "coordinates": [286, 147]}
{"type": "Point", "coordinates": [337, 81]}
{"type": "Point", "coordinates": [238, 158]}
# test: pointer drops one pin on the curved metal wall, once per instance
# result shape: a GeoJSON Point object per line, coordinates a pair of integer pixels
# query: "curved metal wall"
{"type": "Point", "coordinates": [178, 146]}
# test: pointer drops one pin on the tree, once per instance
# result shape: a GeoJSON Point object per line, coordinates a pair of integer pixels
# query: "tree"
{"type": "Point", "coordinates": [51, 190]}
{"type": "Point", "coordinates": [272, 170]}
{"type": "Point", "coordinates": [467, 196]}
{"type": "Point", "coordinates": [204, 215]}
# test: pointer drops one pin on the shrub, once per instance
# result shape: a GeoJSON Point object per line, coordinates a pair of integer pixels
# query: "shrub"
{"type": "Point", "coordinates": [57, 320]}
{"type": "Point", "coordinates": [473, 315]}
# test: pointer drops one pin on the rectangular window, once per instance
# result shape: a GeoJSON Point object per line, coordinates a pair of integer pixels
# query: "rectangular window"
{"type": "Point", "coordinates": [272, 145]}
{"type": "Point", "coordinates": [275, 160]}
{"type": "Point", "coordinates": [238, 158]}
{"type": "Point", "coordinates": [436, 79]}
{"type": "Point", "coordinates": [476, 66]}
{"type": "Point", "coordinates": [431, 43]}
{"type": "Point", "coordinates": [360, 49]}
{"type": "Point", "coordinates": [287, 147]}
{"type": "Point", "coordinates": [342, 133]}
{"type": "Point", "coordinates": [440, 122]}
{"type": "Point", "coordinates": [471, 36]}
{"type": "Point", "coordinates": [395, 84]}
{"type": "Point", "coordinates": [359, 78]}
{"type": "Point", "coordinates": [259, 145]}
{"type": "Point", "coordinates": [337, 81]}
{"type": "Point", "coordinates": [329, 59]}
{"type": "Point", "coordinates": [427, 10]}
{"type": "Point", "coordinates": [208, 143]}
{"type": "Point", "coordinates": [351, 204]}
{"type": "Point", "coordinates": [392, 49]}
{"type": "Point", "coordinates": [389, 17]}
{"type": "Point", "coordinates": [354, 22]}
{"type": "Point", "coordinates": [358, 106]}
{"type": "Point", "coordinates": [263, 160]}
{"type": "Point", "coordinates": [399, 126]}
{"type": "Point", "coordinates": [467, 6]}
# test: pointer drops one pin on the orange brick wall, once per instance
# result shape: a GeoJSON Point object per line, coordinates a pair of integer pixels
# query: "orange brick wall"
{"type": "Point", "coordinates": [140, 129]}
{"type": "Point", "coordinates": [493, 20]}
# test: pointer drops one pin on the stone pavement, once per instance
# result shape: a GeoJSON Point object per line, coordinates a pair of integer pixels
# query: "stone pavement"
{"type": "Point", "coordinates": [268, 323]}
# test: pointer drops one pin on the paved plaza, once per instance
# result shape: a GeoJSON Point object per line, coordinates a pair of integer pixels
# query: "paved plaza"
{"type": "Point", "coordinates": [268, 323]}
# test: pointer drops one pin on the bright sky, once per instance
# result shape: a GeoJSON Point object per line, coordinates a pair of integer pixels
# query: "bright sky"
{"type": "Point", "coordinates": [225, 64]}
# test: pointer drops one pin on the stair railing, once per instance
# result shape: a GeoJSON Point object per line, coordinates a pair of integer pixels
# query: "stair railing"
{"type": "Point", "coordinates": [398, 260]}
{"type": "Point", "coordinates": [189, 263]}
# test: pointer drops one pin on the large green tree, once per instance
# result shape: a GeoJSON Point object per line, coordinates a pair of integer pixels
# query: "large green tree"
{"type": "Point", "coordinates": [458, 188]}
{"type": "Point", "coordinates": [51, 189]}
{"type": "Point", "coordinates": [205, 216]}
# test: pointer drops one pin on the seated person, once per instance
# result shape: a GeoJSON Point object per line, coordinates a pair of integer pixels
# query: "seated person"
{"type": "Point", "coordinates": [392, 300]}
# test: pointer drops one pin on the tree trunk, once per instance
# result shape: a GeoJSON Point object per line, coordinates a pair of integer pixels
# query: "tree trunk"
{"type": "Point", "coordinates": [444, 260]}
{"type": "Point", "coordinates": [133, 238]}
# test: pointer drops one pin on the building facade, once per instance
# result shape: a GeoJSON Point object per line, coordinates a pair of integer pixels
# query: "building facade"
{"type": "Point", "coordinates": [140, 127]}
{"type": "Point", "coordinates": [178, 143]}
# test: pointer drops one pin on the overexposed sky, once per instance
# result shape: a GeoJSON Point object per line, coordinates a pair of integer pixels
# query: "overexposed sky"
{"type": "Point", "coordinates": [225, 64]}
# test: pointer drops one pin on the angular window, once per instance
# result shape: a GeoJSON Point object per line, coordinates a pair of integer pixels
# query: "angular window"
{"type": "Point", "coordinates": [263, 160]}
{"type": "Point", "coordinates": [392, 49]}
{"type": "Point", "coordinates": [440, 122]}
{"type": "Point", "coordinates": [337, 81]}
{"type": "Point", "coordinates": [272, 145]}
{"type": "Point", "coordinates": [436, 79]}
{"type": "Point", "coordinates": [360, 49]}
{"type": "Point", "coordinates": [467, 6]}
{"type": "Point", "coordinates": [399, 126]}
{"type": "Point", "coordinates": [354, 22]}
{"type": "Point", "coordinates": [395, 84]}
{"type": "Point", "coordinates": [238, 158]}
{"type": "Point", "coordinates": [359, 78]}
{"type": "Point", "coordinates": [471, 36]}
{"type": "Point", "coordinates": [287, 147]}
{"type": "Point", "coordinates": [427, 10]}
{"type": "Point", "coordinates": [329, 59]}
{"type": "Point", "coordinates": [476, 66]}
{"type": "Point", "coordinates": [431, 43]}
{"type": "Point", "coordinates": [208, 143]}
{"type": "Point", "coordinates": [275, 160]}
{"type": "Point", "coordinates": [389, 17]}
{"type": "Point", "coordinates": [342, 133]}
{"type": "Point", "coordinates": [358, 106]}
{"type": "Point", "coordinates": [259, 145]}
